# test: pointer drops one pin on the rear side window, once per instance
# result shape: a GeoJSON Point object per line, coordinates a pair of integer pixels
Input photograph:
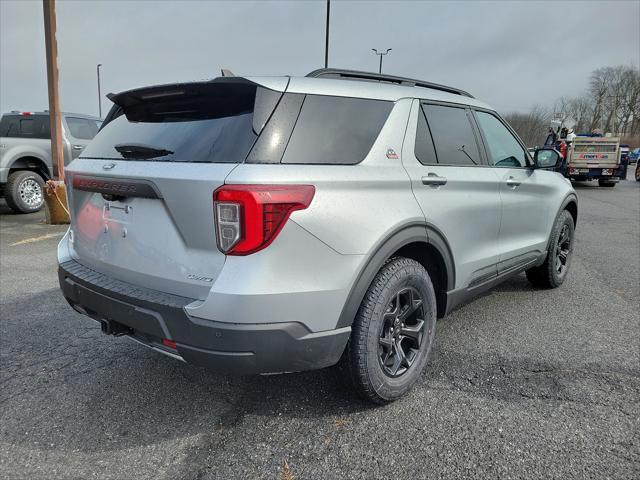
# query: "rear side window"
{"type": "Point", "coordinates": [335, 130]}
{"type": "Point", "coordinates": [206, 122]}
{"type": "Point", "coordinates": [82, 128]}
{"type": "Point", "coordinates": [453, 135]}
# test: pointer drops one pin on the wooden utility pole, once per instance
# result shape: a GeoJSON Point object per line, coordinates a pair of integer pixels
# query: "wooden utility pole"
{"type": "Point", "coordinates": [55, 117]}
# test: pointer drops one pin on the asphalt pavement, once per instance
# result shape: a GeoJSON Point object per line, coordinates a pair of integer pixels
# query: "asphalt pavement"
{"type": "Point", "coordinates": [522, 383]}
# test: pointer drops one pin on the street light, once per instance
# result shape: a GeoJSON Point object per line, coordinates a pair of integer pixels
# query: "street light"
{"type": "Point", "coordinates": [99, 96]}
{"type": "Point", "coordinates": [326, 36]}
{"type": "Point", "coordinates": [380, 54]}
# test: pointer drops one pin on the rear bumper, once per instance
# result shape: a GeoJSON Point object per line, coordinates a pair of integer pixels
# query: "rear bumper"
{"type": "Point", "coordinates": [240, 349]}
{"type": "Point", "coordinates": [580, 173]}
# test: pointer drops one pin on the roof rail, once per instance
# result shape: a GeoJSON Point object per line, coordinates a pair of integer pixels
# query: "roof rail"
{"type": "Point", "coordinates": [378, 77]}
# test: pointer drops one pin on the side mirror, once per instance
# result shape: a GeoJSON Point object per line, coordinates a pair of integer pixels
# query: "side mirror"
{"type": "Point", "coordinates": [547, 158]}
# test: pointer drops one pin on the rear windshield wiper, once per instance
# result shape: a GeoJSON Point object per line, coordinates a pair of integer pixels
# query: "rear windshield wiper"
{"type": "Point", "coordinates": [141, 151]}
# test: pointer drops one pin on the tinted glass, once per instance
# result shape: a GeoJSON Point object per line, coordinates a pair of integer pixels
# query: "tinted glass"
{"type": "Point", "coordinates": [26, 127]}
{"type": "Point", "coordinates": [424, 150]}
{"type": "Point", "coordinates": [9, 126]}
{"type": "Point", "coordinates": [82, 128]}
{"type": "Point", "coordinates": [20, 126]}
{"type": "Point", "coordinates": [453, 135]}
{"type": "Point", "coordinates": [502, 147]}
{"type": "Point", "coordinates": [42, 126]}
{"type": "Point", "coordinates": [214, 124]}
{"type": "Point", "coordinates": [274, 138]}
{"type": "Point", "coordinates": [335, 130]}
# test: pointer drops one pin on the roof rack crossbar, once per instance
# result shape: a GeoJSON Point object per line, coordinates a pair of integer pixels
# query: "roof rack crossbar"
{"type": "Point", "coordinates": [378, 77]}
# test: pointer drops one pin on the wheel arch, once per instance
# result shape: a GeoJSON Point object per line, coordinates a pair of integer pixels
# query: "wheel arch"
{"type": "Point", "coordinates": [571, 204]}
{"type": "Point", "coordinates": [31, 163]}
{"type": "Point", "coordinates": [420, 242]}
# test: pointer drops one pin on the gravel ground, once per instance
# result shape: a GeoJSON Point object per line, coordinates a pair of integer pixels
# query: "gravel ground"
{"type": "Point", "coordinates": [522, 383]}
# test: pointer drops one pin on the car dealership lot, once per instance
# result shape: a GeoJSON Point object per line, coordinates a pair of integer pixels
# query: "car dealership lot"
{"type": "Point", "coordinates": [521, 383]}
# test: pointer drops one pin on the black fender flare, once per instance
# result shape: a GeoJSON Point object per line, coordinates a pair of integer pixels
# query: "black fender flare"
{"type": "Point", "coordinates": [570, 198]}
{"type": "Point", "coordinates": [416, 232]}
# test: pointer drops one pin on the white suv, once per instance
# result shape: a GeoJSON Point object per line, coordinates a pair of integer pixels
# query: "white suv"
{"type": "Point", "coordinates": [262, 225]}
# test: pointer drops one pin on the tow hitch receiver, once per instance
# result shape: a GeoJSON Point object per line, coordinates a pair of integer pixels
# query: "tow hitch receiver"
{"type": "Point", "coordinates": [109, 327]}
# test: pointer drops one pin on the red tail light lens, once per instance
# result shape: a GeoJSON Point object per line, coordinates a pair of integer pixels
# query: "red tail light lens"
{"type": "Point", "coordinates": [249, 217]}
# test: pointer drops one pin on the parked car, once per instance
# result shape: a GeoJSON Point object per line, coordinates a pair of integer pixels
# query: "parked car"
{"type": "Point", "coordinates": [634, 155]}
{"type": "Point", "coordinates": [267, 225]}
{"type": "Point", "coordinates": [25, 153]}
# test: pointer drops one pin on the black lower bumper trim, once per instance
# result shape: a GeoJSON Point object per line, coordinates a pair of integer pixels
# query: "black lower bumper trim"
{"type": "Point", "coordinates": [240, 349]}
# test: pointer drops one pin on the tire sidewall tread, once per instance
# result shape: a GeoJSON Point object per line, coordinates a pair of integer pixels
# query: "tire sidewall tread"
{"type": "Point", "coordinates": [366, 374]}
{"type": "Point", "coordinates": [545, 276]}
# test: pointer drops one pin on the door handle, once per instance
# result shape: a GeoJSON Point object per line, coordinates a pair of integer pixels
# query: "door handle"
{"type": "Point", "coordinates": [433, 180]}
{"type": "Point", "coordinates": [512, 182]}
{"type": "Point", "coordinates": [77, 147]}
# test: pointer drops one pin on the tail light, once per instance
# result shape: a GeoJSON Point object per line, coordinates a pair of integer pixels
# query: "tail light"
{"type": "Point", "coordinates": [249, 217]}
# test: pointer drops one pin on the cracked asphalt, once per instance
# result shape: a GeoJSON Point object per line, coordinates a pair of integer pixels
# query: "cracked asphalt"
{"type": "Point", "coordinates": [522, 383]}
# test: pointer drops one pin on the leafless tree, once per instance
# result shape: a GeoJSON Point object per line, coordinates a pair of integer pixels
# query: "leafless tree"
{"type": "Point", "coordinates": [532, 126]}
{"type": "Point", "coordinates": [611, 103]}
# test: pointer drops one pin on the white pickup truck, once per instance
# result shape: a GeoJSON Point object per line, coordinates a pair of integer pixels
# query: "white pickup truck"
{"type": "Point", "coordinates": [594, 158]}
{"type": "Point", "coordinates": [25, 153]}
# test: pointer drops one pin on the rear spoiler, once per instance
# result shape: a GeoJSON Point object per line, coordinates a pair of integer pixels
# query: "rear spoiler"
{"type": "Point", "coordinates": [137, 96]}
{"type": "Point", "coordinates": [184, 101]}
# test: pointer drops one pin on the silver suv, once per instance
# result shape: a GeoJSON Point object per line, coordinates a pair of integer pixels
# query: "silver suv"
{"type": "Point", "coordinates": [264, 225]}
{"type": "Point", "coordinates": [25, 153]}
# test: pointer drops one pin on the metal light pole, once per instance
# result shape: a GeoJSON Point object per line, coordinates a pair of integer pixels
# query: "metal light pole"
{"type": "Point", "coordinates": [99, 95]}
{"type": "Point", "coordinates": [380, 54]}
{"type": "Point", "coordinates": [326, 39]}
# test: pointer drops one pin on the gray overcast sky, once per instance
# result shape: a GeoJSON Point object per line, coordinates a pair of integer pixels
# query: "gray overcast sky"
{"type": "Point", "coordinates": [510, 54]}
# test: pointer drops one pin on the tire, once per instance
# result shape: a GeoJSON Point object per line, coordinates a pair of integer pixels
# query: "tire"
{"type": "Point", "coordinates": [400, 295]}
{"type": "Point", "coordinates": [24, 191]}
{"type": "Point", "coordinates": [552, 274]}
{"type": "Point", "coordinates": [606, 183]}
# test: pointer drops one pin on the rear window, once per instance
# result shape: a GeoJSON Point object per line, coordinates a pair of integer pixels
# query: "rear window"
{"type": "Point", "coordinates": [194, 123]}
{"type": "Point", "coordinates": [25, 126]}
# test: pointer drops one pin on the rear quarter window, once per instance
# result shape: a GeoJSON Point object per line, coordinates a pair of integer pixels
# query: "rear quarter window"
{"type": "Point", "coordinates": [335, 130]}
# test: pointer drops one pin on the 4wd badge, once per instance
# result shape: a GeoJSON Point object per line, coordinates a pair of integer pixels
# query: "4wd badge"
{"type": "Point", "coordinates": [391, 154]}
